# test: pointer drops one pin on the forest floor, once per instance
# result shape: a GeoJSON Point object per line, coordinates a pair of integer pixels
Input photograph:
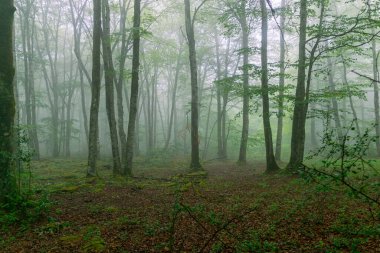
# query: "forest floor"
{"type": "Point", "coordinates": [165, 209]}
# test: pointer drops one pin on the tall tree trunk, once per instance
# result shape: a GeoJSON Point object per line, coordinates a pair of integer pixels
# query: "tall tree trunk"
{"type": "Point", "coordinates": [109, 72]}
{"type": "Point", "coordinates": [173, 100]}
{"type": "Point", "coordinates": [313, 130]}
{"type": "Point", "coordinates": [218, 97]}
{"type": "Point", "coordinates": [7, 100]}
{"type": "Point", "coordinates": [376, 94]}
{"type": "Point", "coordinates": [280, 116]}
{"type": "Point", "coordinates": [352, 106]}
{"type": "Point", "coordinates": [299, 114]}
{"type": "Point", "coordinates": [77, 23]}
{"type": "Point", "coordinates": [120, 82]}
{"type": "Point", "coordinates": [26, 21]}
{"type": "Point", "coordinates": [95, 89]}
{"type": "Point", "coordinates": [134, 88]}
{"type": "Point", "coordinates": [206, 142]}
{"type": "Point", "coordinates": [334, 102]}
{"type": "Point", "coordinates": [245, 128]}
{"type": "Point", "coordinates": [271, 161]}
{"type": "Point", "coordinates": [195, 163]}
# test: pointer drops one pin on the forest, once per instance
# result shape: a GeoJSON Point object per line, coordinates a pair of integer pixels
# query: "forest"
{"type": "Point", "coordinates": [189, 126]}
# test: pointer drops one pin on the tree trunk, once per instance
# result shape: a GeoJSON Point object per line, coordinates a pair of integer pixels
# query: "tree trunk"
{"type": "Point", "coordinates": [245, 128]}
{"type": "Point", "coordinates": [173, 100]}
{"type": "Point", "coordinates": [352, 106]}
{"type": "Point", "coordinates": [280, 115]}
{"type": "Point", "coordinates": [299, 114]}
{"type": "Point", "coordinates": [334, 102]}
{"type": "Point", "coordinates": [95, 90]}
{"type": "Point", "coordinates": [195, 163]}
{"type": "Point", "coordinates": [134, 89]}
{"type": "Point", "coordinates": [376, 95]}
{"type": "Point", "coordinates": [271, 162]}
{"type": "Point", "coordinates": [7, 100]}
{"type": "Point", "coordinates": [76, 20]}
{"type": "Point", "coordinates": [218, 97]}
{"type": "Point", "coordinates": [120, 82]}
{"type": "Point", "coordinates": [109, 73]}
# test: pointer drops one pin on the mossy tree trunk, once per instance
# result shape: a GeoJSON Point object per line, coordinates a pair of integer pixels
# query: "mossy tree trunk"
{"type": "Point", "coordinates": [95, 90]}
{"type": "Point", "coordinates": [7, 100]}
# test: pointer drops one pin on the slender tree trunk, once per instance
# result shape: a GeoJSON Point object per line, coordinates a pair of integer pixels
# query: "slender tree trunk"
{"type": "Point", "coordinates": [7, 100]}
{"type": "Point", "coordinates": [245, 128]}
{"type": "Point", "coordinates": [173, 100]}
{"type": "Point", "coordinates": [95, 90]}
{"type": "Point", "coordinates": [76, 20]}
{"type": "Point", "coordinates": [280, 116]}
{"type": "Point", "coordinates": [334, 102]}
{"type": "Point", "coordinates": [120, 82]}
{"type": "Point", "coordinates": [218, 97]}
{"type": "Point", "coordinates": [299, 114]}
{"type": "Point", "coordinates": [134, 89]}
{"type": "Point", "coordinates": [206, 142]}
{"type": "Point", "coordinates": [109, 72]}
{"type": "Point", "coordinates": [376, 95]}
{"type": "Point", "coordinates": [195, 163]}
{"type": "Point", "coordinates": [352, 106]}
{"type": "Point", "coordinates": [271, 161]}
{"type": "Point", "coordinates": [313, 130]}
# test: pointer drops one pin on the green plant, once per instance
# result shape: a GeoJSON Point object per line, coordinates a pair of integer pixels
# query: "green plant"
{"type": "Point", "coordinates": [23, 210]}
{"type": "Point", "coordinates": [344, 163]}
{"type": "Point", "coordinates": [92, 239]}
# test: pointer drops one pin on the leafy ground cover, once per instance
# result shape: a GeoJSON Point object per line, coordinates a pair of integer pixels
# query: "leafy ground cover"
{"type": "Point", "coordinates": [164, 209]}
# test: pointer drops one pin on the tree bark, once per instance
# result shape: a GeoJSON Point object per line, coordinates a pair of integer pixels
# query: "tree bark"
{"type": "Point", "coordinates": [271, 161]}
{"type": "Point", "coordinates": [173, 100]}
{"type": "Point", "coordinates": [245, 128]}
{"type": "Point", "coordinates": [134, 89]}
{"type": "Point", "coordinates": [7, 100]}
{"type": "Point", "coordinates": [299, 114]}
{"type": "Point", "coordinates": [120, 82]}
{"type": "Point", "coordinates": [352, 106]}
{"type": "Point", "coordinates": [334, 102]}
{"type": "Point", "coordinates": [109, 73]}
{"type": "Point", "coordinates": [376, 94]}
{"type": "Point", "coordinates": [95, 90]}
{"type": "Point", "coordinates": [195, 163]}
{"type": "Point", "coordinates": [280, 115]}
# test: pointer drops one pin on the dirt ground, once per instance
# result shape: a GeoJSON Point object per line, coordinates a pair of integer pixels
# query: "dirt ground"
{"type": "Point", "coordinates": [231, 209]}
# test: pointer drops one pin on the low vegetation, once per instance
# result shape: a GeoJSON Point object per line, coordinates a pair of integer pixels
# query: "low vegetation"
{"type": "Point", "coordinates": [228, 208]}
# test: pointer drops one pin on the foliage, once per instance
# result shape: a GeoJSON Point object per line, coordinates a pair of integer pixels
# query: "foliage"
{"type": "Point", "coordinates": [23, 206]}
{"type": "Point", "coordinates": [23, 210]}
{"type": "Point", "coordinates": [344, 162]}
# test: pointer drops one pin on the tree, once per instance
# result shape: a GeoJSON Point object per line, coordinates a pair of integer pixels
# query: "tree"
{"type": "Point", "coordinates": [109, 71]}
{"type": "Point", "coordinates": [242, 17]}
{"type": "Point", "coordinates": [299, 117]}
{"type": "Point", "coordinates": [95, 89]}
{"type": "Point", "coordinates": [271, 162]}
{"type": "Point", "coordinates": [27, 23]}
{"type": "Point", "coordinates": [7, 100]}
{"type": "Point", "coordinates": [375, 59]}
{"type": "Point", "coordinates": [195, 163]}
{"type": "Point", "coordinates": [281, 84]}
{"type": "Point", "coordinates": [134, 89]}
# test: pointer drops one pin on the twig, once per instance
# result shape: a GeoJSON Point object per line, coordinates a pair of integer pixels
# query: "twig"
{"type": "Point", "coordinates": [367, 77]}
{"type": "Point", "coordinates": [225, 225]}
